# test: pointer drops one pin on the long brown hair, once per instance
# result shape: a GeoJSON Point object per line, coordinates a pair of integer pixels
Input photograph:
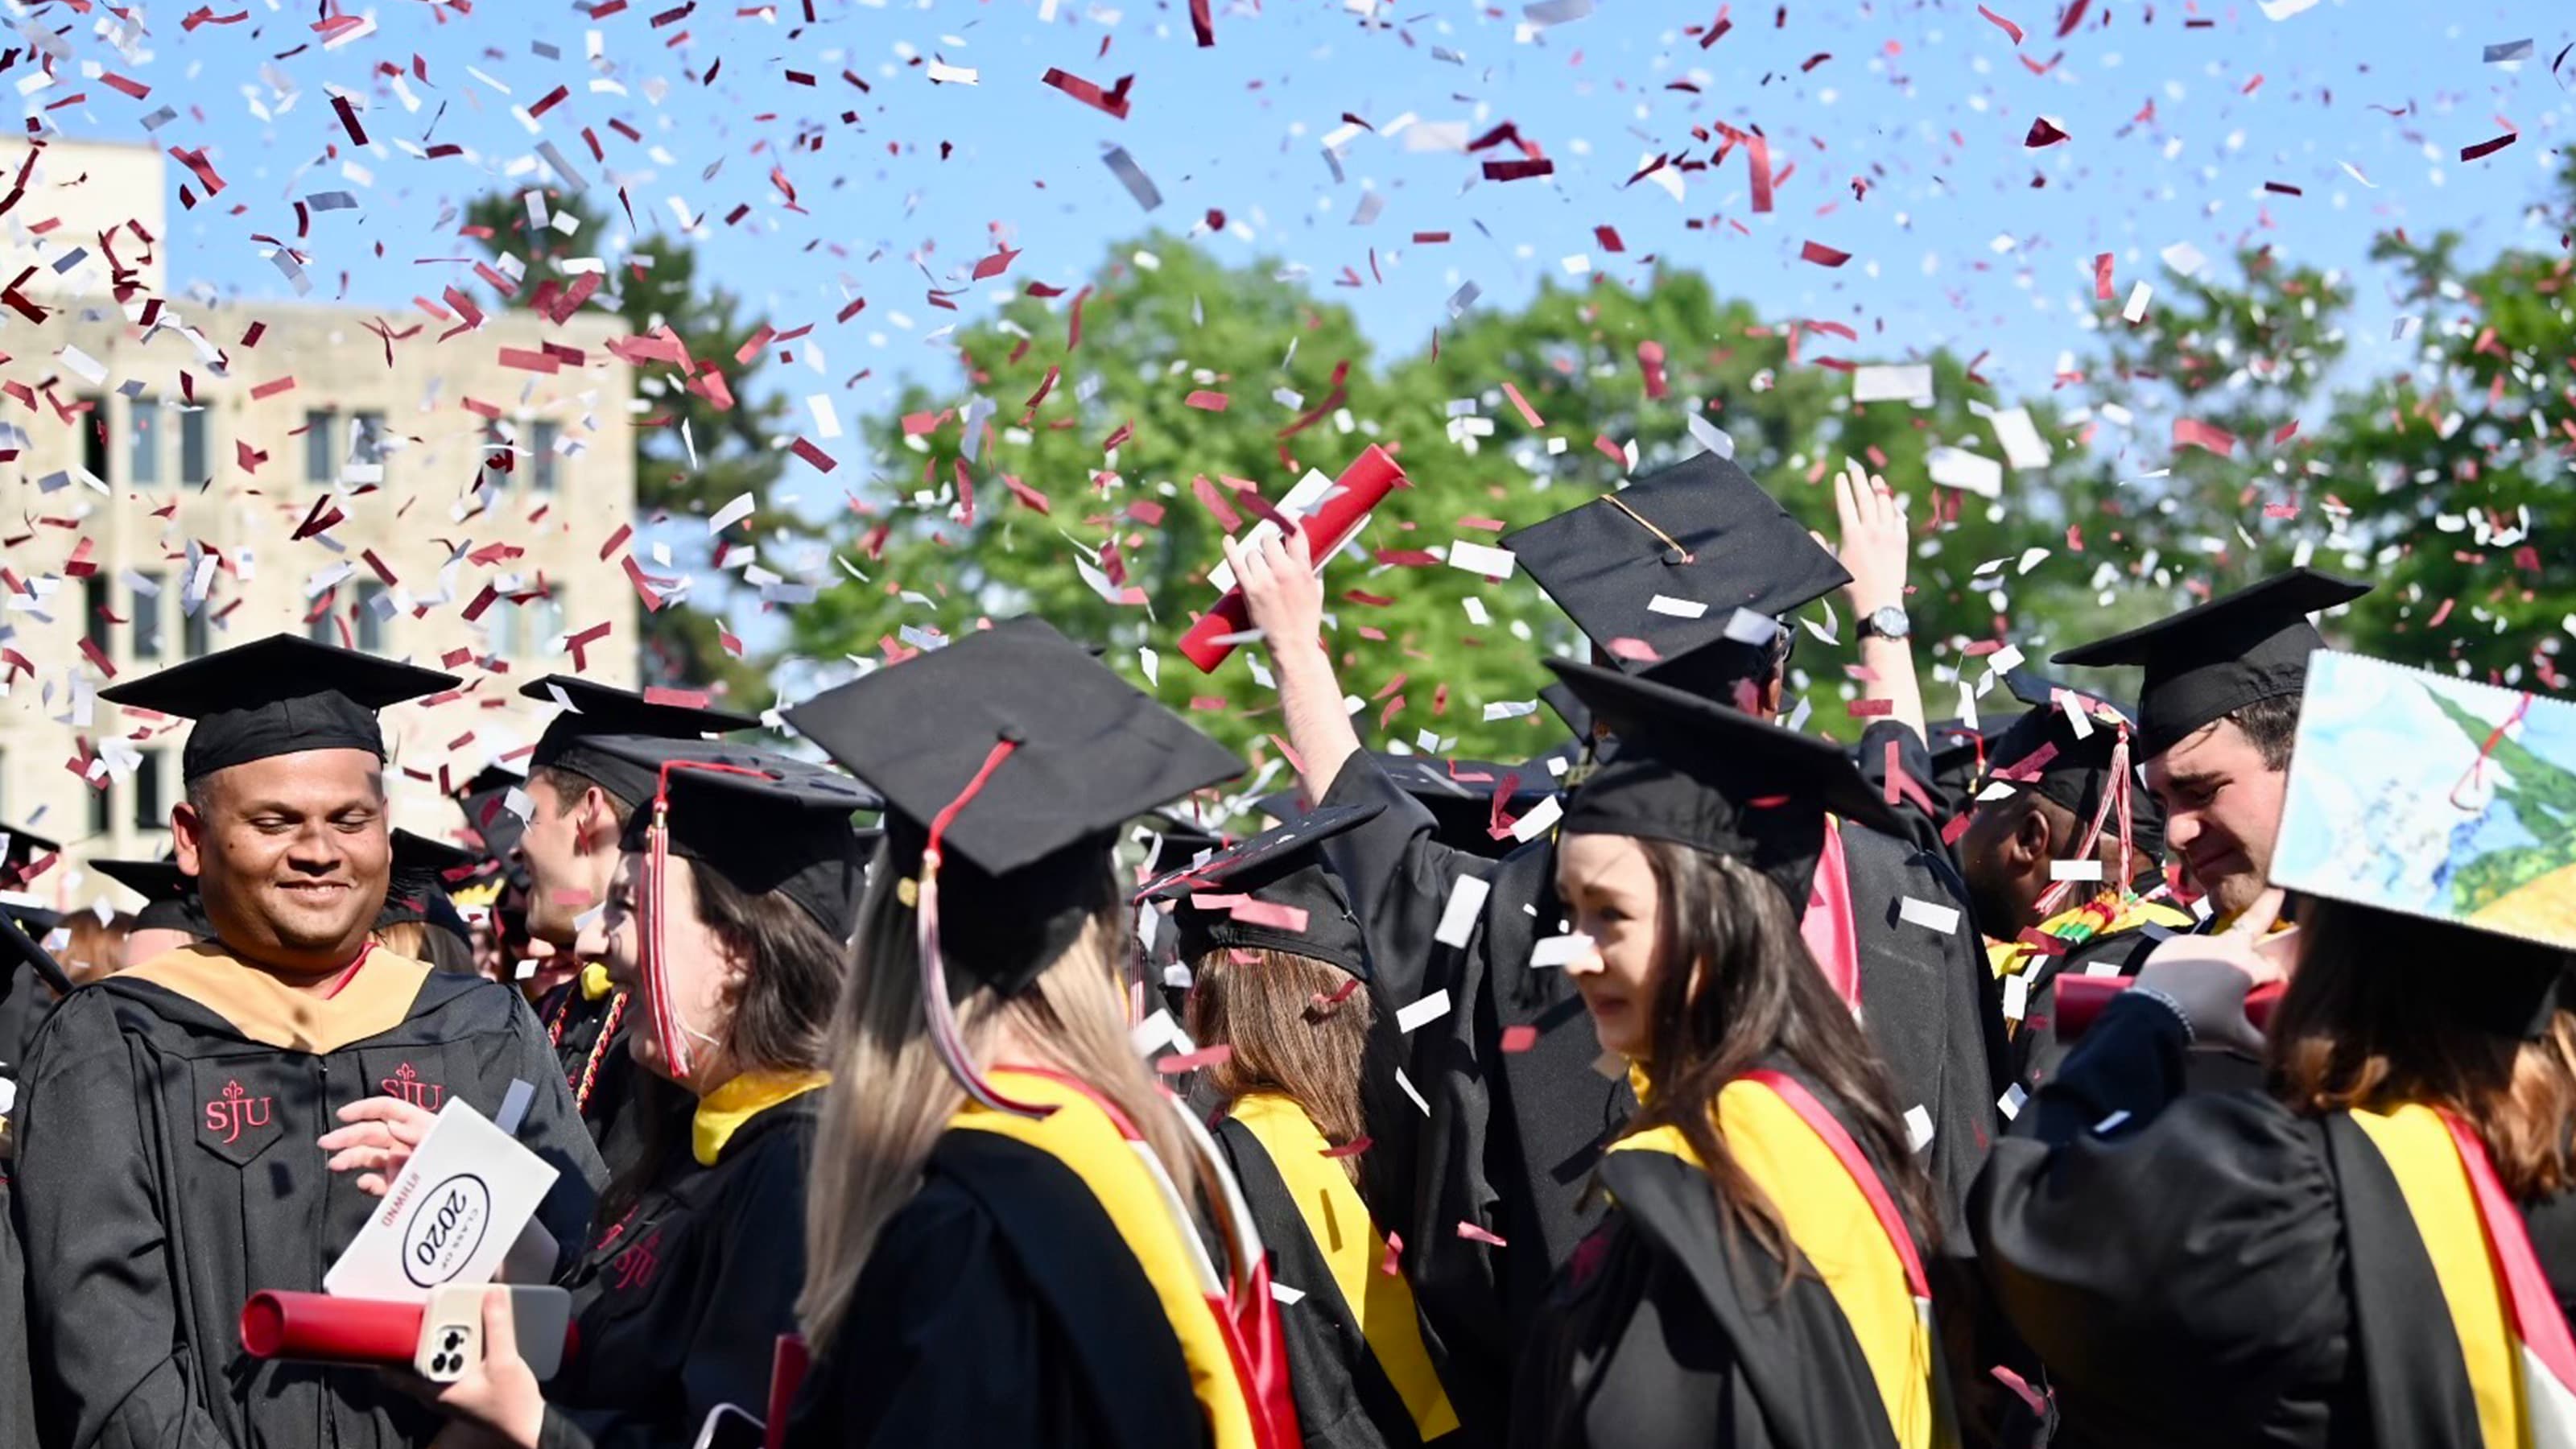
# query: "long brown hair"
{"type": "Point", "coordinates": [1723, 928]}
{"type": "Point", "coordinates": [2387, 1009]}
{"type": "Point", "coordinates": [1289, 1035]}
{"type": "Point", "coordinates": [891, 1097]}
{"type": "Point", "coordinates": [776, 1018]}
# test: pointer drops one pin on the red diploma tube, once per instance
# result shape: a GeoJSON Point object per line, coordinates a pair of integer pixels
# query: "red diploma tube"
{"type": "Point", "coordinates": [787, 1365]}
{"type": "Point", "coordinates": [319, 1327]}
{"type": "Point", "coordinates": [2081, 998]}
{"type": "Point", "coordinates": [1362, 486]}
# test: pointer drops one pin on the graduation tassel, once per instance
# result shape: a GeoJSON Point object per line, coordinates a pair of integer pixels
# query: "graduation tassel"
{"type": "Point", "coordinates": [2118, 798]}
{"type": "Point", "coordinates": [942, 1018]}
{"type": "Point", "coordinates": [668, 1028]}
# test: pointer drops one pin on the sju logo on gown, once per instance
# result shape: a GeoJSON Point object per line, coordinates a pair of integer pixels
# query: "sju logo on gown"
{"type": "Point", "coordinates": [235, 1110]}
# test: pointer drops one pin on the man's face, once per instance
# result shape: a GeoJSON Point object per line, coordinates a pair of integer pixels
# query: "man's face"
{"type": "Point", "coordinates": [2222, 812]}
{"type": "Point", "coordinates": [568, 869]}
{"type": "Point", "coordinates": [291, 855]}
{"type": "Point", "coordinates": [2004, 856]}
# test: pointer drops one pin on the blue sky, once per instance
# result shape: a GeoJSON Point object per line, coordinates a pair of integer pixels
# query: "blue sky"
{"type": "Point", "coordinates": [1951, 243]}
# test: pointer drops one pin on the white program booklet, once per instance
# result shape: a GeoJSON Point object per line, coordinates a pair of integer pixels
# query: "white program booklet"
{"type": "Point", "coordinates": [460, 1204]}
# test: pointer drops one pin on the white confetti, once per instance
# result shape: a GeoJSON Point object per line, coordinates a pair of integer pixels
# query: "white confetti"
{"type": "Point", "coordinates": [1483, 559]}
{"type": "Point", "coordinates": [2081, 870]}
{"type": "Point", "coordinates": [1745, 626]}
{"type": "Point", "coordinates": [1959, 468]}
{"type": "Point", "coordinates": [1918, 1127]}
{"type": "Point", "coordinates": [1943, 919]}
{"type": "Point", "coordinates": [1558, 950]}
{"type": "Point", "coordinates": [1458, 915]}
{"type": "Point", "coordinates": [1677, 608]}
{"type": "Point", "coordinates": [2016, 997]}
{"type": "Point", "coordinates": [1906, 382]}
{"type": "Point", "coordinates": [1419, 1014]}
{"type": "Point", "coordinates": [1539, 821]}
{"type": "Point", "coordinates": [2010, 1103]}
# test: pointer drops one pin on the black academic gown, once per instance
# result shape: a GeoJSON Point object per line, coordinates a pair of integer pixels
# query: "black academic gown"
{"type": "Point", "coordinates": [1512, 1137]}
{"type": "Point", "coordinates": [590, 1046]}
{"type": "Point", "coordinates": [679, 1307]}
{"type": "Point", "coordinates": [1000, 1308]}
{"type": "Point", "coordinates": [17, 1390]}
{"type": "Point", "coordinates": [1656, 1336]}
{"type": "Point", "coordinates": [167, 1170]}
{"type": "Point", "coordinates": [2215, 1269]}
{"type": "Point", "coordinates": [1345, 1398]}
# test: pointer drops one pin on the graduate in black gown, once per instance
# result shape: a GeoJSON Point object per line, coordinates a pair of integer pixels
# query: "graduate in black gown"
{"type": "Point", "coordinates": [580, 799]}
{"type": "Point", "coordinates": [1512, 1136]}
{"type": "Point", "coordinates": [1004, 1233]}
{"type": "Point", "coordinates": [420, 920]}
{"type": "Point", "coordinates": [2064, 858]}
{"type": "Point", "coordinates": [171, 916]}
{"type": "Point", "coordinates": [2379, 1247]}
{"type": "Point", "coordinates": [17, 1388]}
{"type": "Point", "coordinates": [169, 1165]}
{"type": "Point", "coordinates": [24, 856]}
{"type": "Point", "coordinates": [698, 1254]}
{"type": "Point", "coordinates": [1758, 1277]}
{"type": "Point", "coordinates": [1279, 964]}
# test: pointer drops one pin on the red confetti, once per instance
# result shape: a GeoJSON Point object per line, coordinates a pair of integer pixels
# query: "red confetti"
{"type": "Point", "coordinates": [2102, 276]}
{"type": "Point", "coordinates": [2191, 433]}
{"type": "Point", "coordinates": [1822, 255]}
{"type": "Point", "coordinates": [2043, 133]}
{"type": "Point", "coordinates": [271, 389]}
{"type": "Point", "coordinates": [1207, 1056]}
{"type": "Point", "coordinates": [1475, 1234]}
{"type": "Point", "coordinates": [1517, 1039]}
{"type": "Point", "coordinates": [1352, 1148]}
{"type": "Point", "coordinates": [1871, 708]}
{"type": "Point", "coordinates": [1205, 401]}
{"type": "Point", "coordinates": [2488, 148]}
{"type": "Point", "coordinates": [2006, 26]}
{"type": "Point", "coordinates": [823, 462]}
{"type": "Point", "coordinates": [1608, 237]}
{"type": "Point", "coordinates": [1112, 100]}
{"type": "Point", "coordinates": [1518, 170]}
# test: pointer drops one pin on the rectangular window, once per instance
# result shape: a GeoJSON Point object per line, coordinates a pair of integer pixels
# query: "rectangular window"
{"type": "Point", "coordinates": [322, 628]}
{"type": "Point", "coordinates": [93, 431]}
{"type": "Point", "coordinates": [151, 800]}
{"type": "Point", "coordinates": [196, 446]}
{"type": "Point", "coordinates": [544, 623]}
{"type": "Point", "coordinates": [496, 457]}
{"type": "Point", "coordinates": [321, 450]}
{"type": "Point", "coordinates": [143, 424]}
{"type": "Point", "coordinates": [144, 608]}
{"type": "Point", "coordinates": [102, 806]}
{"type": "Point", "coordinates": [367, 437]}
{"type": "Point", "coordinates": [372, 610]}
{"type": "Point", "coordinates": [94, 625]}
{"type": "Point", "coordinates": [197, 630]}
{"type": "Point", "coordinates": [541, 459]}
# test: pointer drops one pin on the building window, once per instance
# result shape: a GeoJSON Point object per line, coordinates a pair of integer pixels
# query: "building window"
{"type": "Point", "coordinates": [143, 425]}
{"type": "Point", "coordinates": [496, 457]}
{"type": "Point", "coordinates": [151, 799]}
{"type": "Point", "coordinates": [367, 438]}
{"type": "Point", "coordinates": [197, 630]}
{"type": "Point", "coordinates": [319, 626]}
{"type": "Point", "coordinates": [372, 610]}
{"type": "Point", "coordinates": [102, 809]}
{"type": "Point", "coordinates": [544, 622]}
{"type": "Point", "coordinates": [542, 457]}
{"type": "Point", "coordinates": [94, 625]}
{"type": "Point", "coordinates": [321, 460]}
{"type": "Point", "coordinates": [94, 437]}
{"type": "Point", "coordinates": [143, 616]}
{"type": "Point", "coordinates": [196, 446]}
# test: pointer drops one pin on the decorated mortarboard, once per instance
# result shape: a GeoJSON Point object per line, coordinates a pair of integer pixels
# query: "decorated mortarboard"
{"type": "Point", "coordinates": [2433, 796]}
{"type": "Point", "coordinates": [1694, 772]}
{"type": "Point", "coordinates": [1009, 761]}
{"type": "Point", "coordinates": [1667, 565]}
{"type": "Point", "coordinates": [169, 893]}
{"type": "Point", "coordinates": [2074, 749]}
{"type": "Point", "coordinates": [2213, 659]}
{"type": "Point", "coordinates": [592, 710]}
{"type": "Point", "coordinates": [762, 821]}
{"type": "Point", "coordinates": [1271, 892]}
{"type": "Point", "coordinates": [416, 889]}
{"type": "Point", "coordinates": [21, 852]}
{"type": "Point", "coordinates": [282, 695]}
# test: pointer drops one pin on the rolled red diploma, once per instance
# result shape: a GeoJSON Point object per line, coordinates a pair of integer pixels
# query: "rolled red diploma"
{"type": "Point", "coordinates": [319, 1327]}
{"type": "Point", "coordinates": [1362, 486]}
{"type": "Point", "coordinates": [2081, 998]}
{"type": "Point", "coordinates": [787, 1364]}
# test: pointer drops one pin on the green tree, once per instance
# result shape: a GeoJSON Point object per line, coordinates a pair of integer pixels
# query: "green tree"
{"type": "Point", "coordinates": [705, 439]}
{"type": "Point", "coordinates": [1102, 455]}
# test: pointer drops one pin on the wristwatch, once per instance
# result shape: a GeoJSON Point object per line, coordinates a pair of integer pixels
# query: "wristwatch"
{"type": "Point", "coordinates": [1888, 621]}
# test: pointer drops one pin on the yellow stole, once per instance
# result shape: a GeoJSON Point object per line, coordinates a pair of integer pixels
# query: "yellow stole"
{"type": "Point", "coordinates": [725, 1109]}
{"type": "Point", "coordinates": [1838, 1234]}
{"type": "Point", "coordinates": [2421, 1156]}
{"type": "Point", "coordinates": [2108, 913]}
{"type": "Point", "coordinates": [1139, 1198]}
{"type": "Point", "coordinates": [272, 1013]}
{"type": "Point", "coordinates": [1350, 1244]}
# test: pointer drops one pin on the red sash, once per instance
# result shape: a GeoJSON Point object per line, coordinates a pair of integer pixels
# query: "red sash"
{"type": "Point", "coordinates": [1831, 933]}
{"type": "Point", "coordinates": [1863, 1175]}
{"type": "Point", "coordinates": [2536, 1319]}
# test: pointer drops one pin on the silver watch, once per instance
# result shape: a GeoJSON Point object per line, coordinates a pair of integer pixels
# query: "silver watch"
{"type": "Point", "coordinates": [1886, 622]}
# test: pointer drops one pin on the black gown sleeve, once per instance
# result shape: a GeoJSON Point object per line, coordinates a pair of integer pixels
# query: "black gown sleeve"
{"type": "Point", "coordinates": [1399, 877]}
{"type": "Point", "coordinates": [553, 1130]}
{"type": "Point", "coordinates": [1921, 811]}
{"type": "Point", "coordinates": [100, 1303]}
{"type": "Point", "coordinates": [2178, 1268]}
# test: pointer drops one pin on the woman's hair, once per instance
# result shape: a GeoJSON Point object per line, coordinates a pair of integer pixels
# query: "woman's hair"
{"type": "Point", "coordinates": [776, 1019]}
{"type": "Point", "coordinates": [96, 948]}
{"type": "Point", "coordinates": [432, 947]}
{"type": "Point", "coordinates": [1759, 997]}
{"type": "Point", "coordinates": [2387, 1009]}
{"type": "Point", "coordinates": [1288, 1033]}
{"type": "Point", "coordinates": [891, 1097]}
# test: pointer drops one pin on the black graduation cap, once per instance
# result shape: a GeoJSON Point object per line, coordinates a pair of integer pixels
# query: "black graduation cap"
{"type": "Point", "coordinates": [761, 820]}
{"type": "Point", "coordinates": [2078, 772]}
{"type": "Point", "coordinates": [281, 695]}
{"type": "Point", "coordinates": [1700, 532]}
{"type": "Point", "coordinates": [1178, 839]}
{"type": "Point", "coordinates": [1695, 772]}
{"type": "Point", "coordinates": [485, 801]}
{"type": "Point", "coordinates": [1562, 703]}
{"type": "Point", "coordinates": [169, 893]}
{"type": "Point", "coordinates": [1039, 754]}
{"type": "Point", "coordinates": [1458, 793]}
{"type": "Point", "coordinates": [21, 850]}
{"type": "Point", "coordinates": [2216, 658]}
{"type": "Point", "coordinates": [1959, 754]}
{"type": "Point", "coordinates": [417, 888]}
{"type": "Point", "coordinates": [600, 709]}
{"type": "Point", "coordinates": [1285, 867]}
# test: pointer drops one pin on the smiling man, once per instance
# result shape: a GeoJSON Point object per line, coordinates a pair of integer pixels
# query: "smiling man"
{"type": "Point", "coordinates": [2216, 719]}
{"type": "Point", "coordinates": [169, 1162]}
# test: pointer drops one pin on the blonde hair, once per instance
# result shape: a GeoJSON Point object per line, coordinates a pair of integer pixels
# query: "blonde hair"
{"type": "Point", "coordinates": [891, 1097]}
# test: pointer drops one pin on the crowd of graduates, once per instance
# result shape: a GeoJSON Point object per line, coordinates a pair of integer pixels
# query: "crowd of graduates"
{"type": "Point", "coordinates": [1701, 1081]}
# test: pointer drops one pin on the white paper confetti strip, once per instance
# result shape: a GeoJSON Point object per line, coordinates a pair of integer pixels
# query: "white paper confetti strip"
{"type": "Point", "coordinates": [1969, 472]}
{"type": "Point", "coordinates": [1676, 608]}
{"type": "Point", "coordinates": [2023, 447]}
{"type": "Point", "coordinates": [1287, 1296]}
{"type": "Point", "coordinates": [1944, 919]}
{"type": "Point", "coordinates": [2010, 1103]}
{"type": "Point", "coordinates": [1483, 559]}
{"type": "Point", "coordinates": [1744, 626]}
{"type": "Point", "coordinates": [1539, 821]}
{"type": "Point", "coordinates": [2080, 870]}
{"type": "Point", "coordinates": [1918, 1127]}
{"type": "Point", "coordinates": [2016, 997]}
{"type": "Point", "coordinates": [1157, 1032]}
{"type": "Point", "coordinates": [1411, 1095]}
{"type": "Point", "coordinates": [1558, 950]}
{"type": "Point", "coordinates": [1458, 916]}
{"type": "Point", "coordinates": [1419, 1014]}
{"type": "Point", "coordinates": [1133, 177]}
{"type": "Point", "coordinates": [1902, 382]}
